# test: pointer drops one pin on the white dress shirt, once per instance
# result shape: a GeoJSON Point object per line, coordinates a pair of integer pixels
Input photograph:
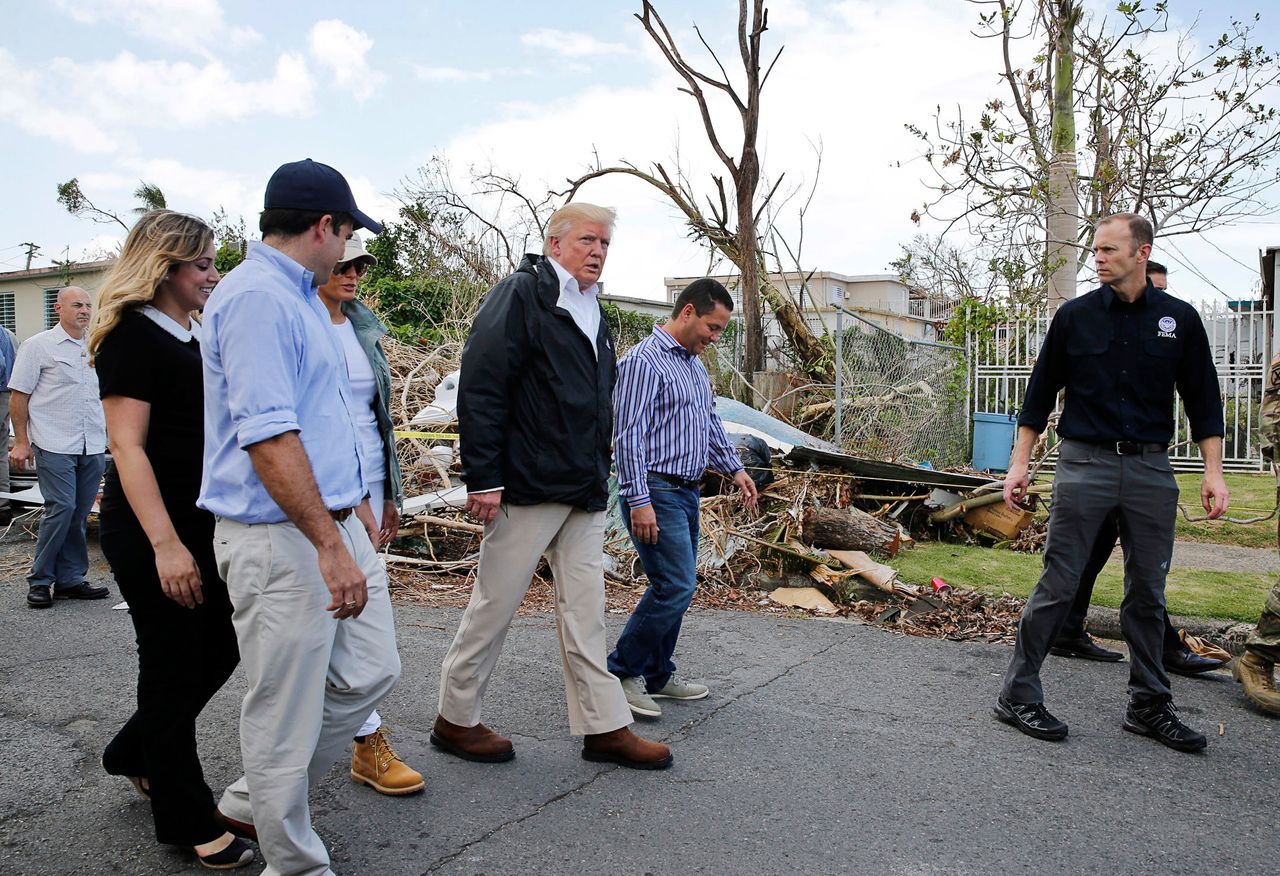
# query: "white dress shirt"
{"type": "Point", "coordinates": [581, 303]}
{"type": "Point", "coordinates": [64, 413]}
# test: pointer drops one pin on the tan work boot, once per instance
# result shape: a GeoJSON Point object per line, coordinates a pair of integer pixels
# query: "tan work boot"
{"type": "Point", "coordinates": [626, 749]}
{"type": "Point", "coordinates": [374, 763]}
{"type": "Point", "coordinates": [1257, 677]}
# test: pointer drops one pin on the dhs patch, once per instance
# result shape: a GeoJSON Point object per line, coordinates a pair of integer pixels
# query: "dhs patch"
{"type": "Point", "coordinates": [1167, 325]}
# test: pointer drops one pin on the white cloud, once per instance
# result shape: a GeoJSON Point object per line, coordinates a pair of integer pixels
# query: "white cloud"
{"type": "Point", "coordinates": [451, 74]}
{"type": "Point", "coordinates": [849, 86]}
{"type": "Point", "coordinates": [128, 90]}
{"type": "Point", "coordinates": [343, 50]}
{"type": "Point", "coordinates": [569, 44]}
{"type": "Point", "coordinates": [23, 105]}
{"type": "Point", "coordinates": [191, 25]}
{"type": "Point", "coordinates": [457, 74]}
{"type": "Point", "coordinates": [379, 206]}
{"type": "Point", "coordinates": [197, 190]}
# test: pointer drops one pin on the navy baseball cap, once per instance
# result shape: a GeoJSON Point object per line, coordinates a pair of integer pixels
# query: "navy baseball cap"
{"type": "Point", "coordinates": [310, 185]}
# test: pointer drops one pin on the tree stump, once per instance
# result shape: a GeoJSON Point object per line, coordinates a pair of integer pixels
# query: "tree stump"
{"type": "Point", "coordinates": [849, 530]}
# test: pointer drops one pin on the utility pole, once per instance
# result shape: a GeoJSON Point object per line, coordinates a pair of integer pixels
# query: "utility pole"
{"type": "Point", "coordinates": [32, 249]}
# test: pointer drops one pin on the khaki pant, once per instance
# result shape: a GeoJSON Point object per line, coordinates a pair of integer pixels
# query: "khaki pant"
{"type": "Point", "coordinates": [312, 679]}
{"type": "Point", "coordinates": [573, 541]}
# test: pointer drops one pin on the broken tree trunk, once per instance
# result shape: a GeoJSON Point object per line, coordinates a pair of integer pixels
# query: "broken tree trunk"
{"type": "Point", "coordinates": [849, 530]}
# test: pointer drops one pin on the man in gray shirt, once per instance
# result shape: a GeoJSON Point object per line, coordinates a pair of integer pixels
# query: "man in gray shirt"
{"type": "Point", "coordinates": [58, 422]}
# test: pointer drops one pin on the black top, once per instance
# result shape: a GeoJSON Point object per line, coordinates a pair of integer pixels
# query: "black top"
{"type": "Point", "coordinates": [141, 360]}
{"type": "Point", "coordinates": [1120, 364]}
{"type": "Point", "coordinates": [535, 402]}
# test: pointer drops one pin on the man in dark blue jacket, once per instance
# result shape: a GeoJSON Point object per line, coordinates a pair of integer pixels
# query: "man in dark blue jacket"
{"type": "Point", "coordinates": [535, 418]}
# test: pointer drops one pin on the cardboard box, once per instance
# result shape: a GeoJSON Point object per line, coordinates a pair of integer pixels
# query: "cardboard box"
{"type": "Point", "coordinates": [998, 520]}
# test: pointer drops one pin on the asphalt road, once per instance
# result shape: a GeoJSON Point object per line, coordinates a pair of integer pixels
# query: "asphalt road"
{"type": "Point", "coordinates": [824, 748]}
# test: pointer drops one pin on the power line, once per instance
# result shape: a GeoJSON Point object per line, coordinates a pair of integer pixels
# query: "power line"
{"type": "Point", "coordinates": [1185, 262]}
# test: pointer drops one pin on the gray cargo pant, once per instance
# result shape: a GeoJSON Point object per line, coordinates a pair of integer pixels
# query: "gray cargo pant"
{"type": "Point", "coordinates": [1092, 481]}
{"type": "Point", "coordinates": [312, 679]}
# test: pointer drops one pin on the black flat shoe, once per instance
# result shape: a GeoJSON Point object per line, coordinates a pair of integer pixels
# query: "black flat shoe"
{"type": "Point", "coordinates": [1190, 663]}
{"type": "Point", "coordinates": [39, 597]}
{"type": "Point", "coordinates": [238, 854]}
{"type": "Point", "coordinates": [83, 590]}
{"type": "Point", "coordinates": [1086, 649]}
{"type": "Point", "coordinates": [1032, 719]}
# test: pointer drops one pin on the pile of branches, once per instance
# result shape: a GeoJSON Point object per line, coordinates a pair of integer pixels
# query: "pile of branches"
{"type": "Point", "coordinates": [416, 373]}
{"type": "Point", "coordinates": [744, 553]}
{"type": "Point", "coordinates": [747, 558]}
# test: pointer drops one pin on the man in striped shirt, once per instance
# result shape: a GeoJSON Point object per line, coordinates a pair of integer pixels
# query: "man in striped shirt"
{"type": "Point", "coordinates": [665, 433]}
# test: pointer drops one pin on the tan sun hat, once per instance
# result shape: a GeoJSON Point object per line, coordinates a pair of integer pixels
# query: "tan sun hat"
{"type": "Point", "coordinates": [355, 250]}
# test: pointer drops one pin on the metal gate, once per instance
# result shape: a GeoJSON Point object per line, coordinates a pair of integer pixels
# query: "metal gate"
{"type": "Point", "coordinates": [1239, 336]}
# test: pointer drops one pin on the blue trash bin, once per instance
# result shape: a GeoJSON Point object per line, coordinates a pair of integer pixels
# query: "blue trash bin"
{"type": "Point", "coordinates": [993, 441]}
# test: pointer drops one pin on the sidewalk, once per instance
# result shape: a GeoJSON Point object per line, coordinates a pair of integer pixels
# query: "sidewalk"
{"type": "Point", "coordinates": [824, 748]}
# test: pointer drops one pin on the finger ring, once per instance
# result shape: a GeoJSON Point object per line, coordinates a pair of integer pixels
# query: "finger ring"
{"type": "Point", "coordinates": [349, 605]}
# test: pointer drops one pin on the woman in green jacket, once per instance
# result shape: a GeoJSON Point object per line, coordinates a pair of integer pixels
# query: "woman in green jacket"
{"type": "Point", "coordinates": [359, 333]}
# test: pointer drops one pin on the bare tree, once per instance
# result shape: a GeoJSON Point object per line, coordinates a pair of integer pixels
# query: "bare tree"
{"type": "Point", "coordinates": [1188, 141]}
{"type": "Point", "coordinates": [484, 226]}
{"type": "Point", "coordinates": [732, 229]}
{"type": "Point", "coordinates": [74, 200]}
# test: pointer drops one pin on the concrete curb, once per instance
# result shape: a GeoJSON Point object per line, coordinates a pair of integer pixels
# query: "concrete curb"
{"type": "Point", "coordinates": [1228, 634]}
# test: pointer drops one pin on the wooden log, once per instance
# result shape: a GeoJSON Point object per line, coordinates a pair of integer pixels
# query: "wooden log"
{"type": "Point", "coordinates": [849, 530]}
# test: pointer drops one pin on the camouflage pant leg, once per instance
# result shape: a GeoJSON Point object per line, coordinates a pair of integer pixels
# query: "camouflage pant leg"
{"type": "Point", "coordinates": [1265, 641]}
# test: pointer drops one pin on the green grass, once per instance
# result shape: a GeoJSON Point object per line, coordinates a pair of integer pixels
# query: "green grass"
{"type": "Point", "coordinates": [1236, 595]}
{"type": "Point", "coordinates": [1252, 495]}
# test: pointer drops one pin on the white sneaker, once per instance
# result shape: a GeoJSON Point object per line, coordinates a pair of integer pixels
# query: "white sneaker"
{"type": "Point", "coordinates": [638, 698]}
{"type": "Point", "coordinates": [681, 690]}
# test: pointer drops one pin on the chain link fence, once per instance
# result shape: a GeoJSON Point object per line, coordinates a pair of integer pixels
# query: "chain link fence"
{"type": "Point", "coordinates": [900, 399]}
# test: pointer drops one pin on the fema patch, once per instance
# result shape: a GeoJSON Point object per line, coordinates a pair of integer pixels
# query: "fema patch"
{"type": "Point", "coordinates": [1166, 325]}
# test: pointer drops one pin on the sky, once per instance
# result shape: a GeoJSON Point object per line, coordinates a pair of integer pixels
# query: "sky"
{"type": "Point", "coordinates": [205, 98]}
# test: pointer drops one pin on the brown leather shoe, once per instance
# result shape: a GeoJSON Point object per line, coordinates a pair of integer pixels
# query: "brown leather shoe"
{"type": "Point", "coordinates": [626, 749]}
{"type": "Point", "coordinates": [242, 829]}
{"type": "Point", "coordinates": [477, 743]}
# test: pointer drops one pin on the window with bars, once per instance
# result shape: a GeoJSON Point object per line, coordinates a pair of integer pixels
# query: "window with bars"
{"type": "Point", "coordinates": [8, 315]}
{"type": "Point", "coordinates": [50, 299]}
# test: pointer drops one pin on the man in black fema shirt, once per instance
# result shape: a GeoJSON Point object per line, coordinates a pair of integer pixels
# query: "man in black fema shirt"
{"type": "Point", "coordinates": [1073, 640]}
{"type": "Point", "coordinates": [1119, 351]}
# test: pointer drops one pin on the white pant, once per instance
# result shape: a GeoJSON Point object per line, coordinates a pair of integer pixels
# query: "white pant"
{"type": "Point", "coordinates": [376, 495]}
{"type": "Point", "coordinates": [514, 542]}
{"type": "Point", "coordinates": [312, 679]}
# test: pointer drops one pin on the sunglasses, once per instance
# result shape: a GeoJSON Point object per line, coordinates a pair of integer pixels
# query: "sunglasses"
{"type": "Point", "coordinates": [360, 265]}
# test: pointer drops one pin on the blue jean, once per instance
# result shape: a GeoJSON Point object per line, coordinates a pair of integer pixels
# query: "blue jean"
{"type": "Point", "coordinates": [649, 638]}
{"type": "Point", "coordinates": [69, 484]}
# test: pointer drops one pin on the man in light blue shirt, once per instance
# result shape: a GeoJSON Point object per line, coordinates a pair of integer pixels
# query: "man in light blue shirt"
{"type": "Point", "coordinates": [293, 537]}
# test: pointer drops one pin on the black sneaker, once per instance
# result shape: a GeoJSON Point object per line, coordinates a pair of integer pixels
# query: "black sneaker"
{"type": "Point", "coordinates": [1032, 719]}
{"type": "Point", "coordinates": [1161, 721]}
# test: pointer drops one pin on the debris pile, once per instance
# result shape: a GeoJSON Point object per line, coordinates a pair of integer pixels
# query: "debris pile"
{"type": "Point", "coordinates": [823, 519]}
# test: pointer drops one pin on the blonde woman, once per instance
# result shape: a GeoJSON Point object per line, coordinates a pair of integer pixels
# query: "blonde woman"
{"type": "Point", "coordinates": [146, 348]}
